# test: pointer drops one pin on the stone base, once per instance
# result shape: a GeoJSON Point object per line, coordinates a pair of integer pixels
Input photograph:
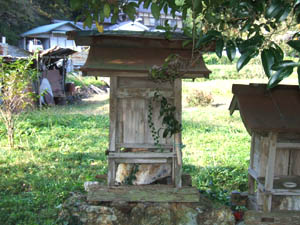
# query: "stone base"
{"type": "Point", "coordinates": [252, 217]}
{"type": "Point", "coordinates": [77, 210]}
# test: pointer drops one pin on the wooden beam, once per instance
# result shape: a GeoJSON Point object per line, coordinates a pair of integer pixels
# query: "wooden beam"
{"type": "Point", "coordinates": [112, 129]}
{"type": "Point", "coordinates": [270, 170]}
{"type": "Point", "coordinates": [142, 93]}
{"type": "Point", "coordinates": [141, 145]}
{"type": "Point", "coordinates": [142, 161]}
{"type": "Point", "coordinates": [145, 193]}
{"type": "Point", "coordinates": [288, 145]}
{"type": "Point", "coordinates": [141, 155]}
{"type": "Point", "coordinates": [177, 136]}
{"type": "Point", "coordinates": [251, 181]}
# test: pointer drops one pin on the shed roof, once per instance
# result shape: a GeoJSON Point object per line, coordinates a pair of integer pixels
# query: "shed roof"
{"type": "Point", "coordinates": [48, 28]}
{"type": "Point", "coordinates": [264, 110]}
{"type": "Point", "coordinates": [133, 53]}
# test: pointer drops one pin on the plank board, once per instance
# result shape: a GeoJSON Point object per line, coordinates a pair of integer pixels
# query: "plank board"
{"type": "Point", "coordinates": [295, 165]}
{"type": "Point", "coordinates": [145, 193]}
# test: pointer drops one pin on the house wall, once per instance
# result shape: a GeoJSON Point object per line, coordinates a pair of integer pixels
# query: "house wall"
{"type": "Point", "coordinates": [61, 41]}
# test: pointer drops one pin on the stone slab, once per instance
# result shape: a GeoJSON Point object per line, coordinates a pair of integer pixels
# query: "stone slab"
{"type": "Point", "coordinates": [143, 193]}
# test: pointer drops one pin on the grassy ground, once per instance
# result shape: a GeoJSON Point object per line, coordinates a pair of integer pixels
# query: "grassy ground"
{"type": "Point", "coordinates": [62, 147]}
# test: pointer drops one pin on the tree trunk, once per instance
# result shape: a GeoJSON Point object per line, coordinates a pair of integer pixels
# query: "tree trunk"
{"type": "Point", "coordinates": [10, 130]}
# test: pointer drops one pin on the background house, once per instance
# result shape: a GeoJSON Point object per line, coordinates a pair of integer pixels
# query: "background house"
{"type": "Point", "coordinates": [49, 36]}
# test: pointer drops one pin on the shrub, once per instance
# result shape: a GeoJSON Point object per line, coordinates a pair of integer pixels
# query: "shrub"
{"type": "Point", "coordinates": [217, 182]}
{"type": "Point", "coordinates": [199, 98]}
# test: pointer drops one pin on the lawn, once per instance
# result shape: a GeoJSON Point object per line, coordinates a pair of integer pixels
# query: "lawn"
{"type": "Point", "coordinates": [60, 148]}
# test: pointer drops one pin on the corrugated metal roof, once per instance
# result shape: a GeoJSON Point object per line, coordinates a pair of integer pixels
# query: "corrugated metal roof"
{"type": "Point", "coordinates": [47, 28]}
{"type": "Point", "coordinates": [264, 110]}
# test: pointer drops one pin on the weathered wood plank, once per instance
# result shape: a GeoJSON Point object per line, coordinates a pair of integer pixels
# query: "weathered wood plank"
{"type": "Point", "coordinates": [288, 145]}
{"type": "Point", "coordinates": [294, 163]}
{"type": "Point", "coordinates": [140, 82]}
{"type": "Point", "coordinates": [142, 161]}
{"type": "Point", "coordinates": [156, 193]}
{"type": "Point", "coordinates": [112, 113]}
{"type": "Point", "coordinates": [251, 179]}
{"type": "Point", "coordinates": [282, 162]}
{"type": "Point", "coordinates": [112, 129]}
{"type": "Point", "coordinates": [270, 170]}
{"type": "Point", "coordinates": [141, 155]}
{"type": "Point", "coordinates": [142, 93]}
{"type": "Point", "coordinates": [177, 136]}
{"type": "Point", "coordinates": [141, 145]}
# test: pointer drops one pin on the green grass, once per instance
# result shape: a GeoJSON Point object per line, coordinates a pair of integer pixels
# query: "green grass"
{"type": "Point", "coordinates": [84, 81]}
{"type": "Point", "coordinates": [58, 152]}
{"type": "Point", "coordinates": [60, 148]}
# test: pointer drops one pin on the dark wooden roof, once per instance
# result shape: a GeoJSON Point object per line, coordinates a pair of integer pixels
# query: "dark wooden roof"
{"type": "Point", "coordinates": [114, 53]}
{"type": "Point", "coordinates": [264, 110]}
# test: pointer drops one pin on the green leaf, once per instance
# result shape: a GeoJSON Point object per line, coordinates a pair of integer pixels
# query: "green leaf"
{"type": "Point", "coordinates": [245, 58]}
{"type": "Point", "coordinates": [88, 21]}
{"type": "Point", "coordinates": [247, 25]}
{"type": "Point", "coordinates": [130, 10]}
{"type": "Point", "coordinates": [186, 42]}
{"type": "Point", "coordinates": [205, 38]}
{"type": "Point", "coordinates": [219, 47]}
{"type": "Point", "coordinates": [198, 6]}
{"type": "Point", "coordinates": [279, 76]}
{"type": "Point", "coordinates": [155, 11]}
{"type": "Point", "coordinates": [267, 59]}
{"type": "Point", "coordinates": [284, 64]}
{"type": "Point", "coordinates": [75, 4]}
{"type": "Point", "coordinates": [106, 10]}
{"type": "Point", "coordinates": [295, 44]}
{"type": "Point", "coordinates": [146, 4]}
{"type": "Point", "coordinates": [230, 50]}
{"type": "Point", "coordinates": [273, 9]}
{"type": "Point", "coordinates": [277, 52]}
{"type": "Point", "coordinates": [284, 14]}
{"type": "Point", "coordinates": [165, 133]}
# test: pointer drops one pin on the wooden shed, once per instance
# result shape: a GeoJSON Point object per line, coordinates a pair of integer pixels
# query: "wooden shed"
{"type": "Point", "coordinates": [272, 119]}
{"type": "Point", "coordinates": [126, 58]}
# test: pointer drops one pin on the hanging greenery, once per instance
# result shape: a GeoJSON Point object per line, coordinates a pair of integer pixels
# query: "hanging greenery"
{"type": "Point", "coordinates": [170, 125]}
{"type": "Point", "coordinates": [172, 68]}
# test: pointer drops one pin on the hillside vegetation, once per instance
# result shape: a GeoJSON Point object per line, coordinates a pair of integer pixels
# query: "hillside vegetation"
{"type": "Point", "coordinates": [18, 16]}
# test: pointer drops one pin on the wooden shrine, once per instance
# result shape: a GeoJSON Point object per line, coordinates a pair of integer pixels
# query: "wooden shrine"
{"type": "Point", "coordinates": [126, 58]}
{"type": "Point", "coordinates": [272, 119]}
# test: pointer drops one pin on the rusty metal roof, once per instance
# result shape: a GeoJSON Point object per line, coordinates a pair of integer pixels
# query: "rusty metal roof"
{"type": "Point", "coordinates": [265, 110]}
{"type": "Point", "coordinates": [128, 53]}
{"type": "Point", "coordinates": [57, 52]}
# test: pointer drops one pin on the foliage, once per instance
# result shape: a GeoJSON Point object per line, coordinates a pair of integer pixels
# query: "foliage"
{"type": "Point", "coordinates": [199, 98]}
{"type": "Point", "coordinates": [170, 125]}
{"type": "Point", "coordinates": [18, 16]}
{"type": "Point", "coordinates": [248, 26]}
{"type": "Point", "coordinates": [15, 92]}
{"type": "Point", "coordinates": [131, 177]}
{"type": "Point", "coordinates": [172, 68]}
{"type": "Point", "coordinates": [84, 81]}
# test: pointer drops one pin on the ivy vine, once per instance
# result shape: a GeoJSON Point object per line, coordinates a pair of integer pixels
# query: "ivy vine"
{"type": "Point", "coordinates": [132, 176]}
{"type": "Point", "coordinates": [173, 67]}
{"type": "Point", "coordinates": [170, 125]}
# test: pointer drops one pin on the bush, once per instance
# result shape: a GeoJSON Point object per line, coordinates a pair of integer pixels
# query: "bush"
{"type": "Point", "coordinates": [85, 81]}
{"type": "Point", "coordinates": [217, 182]}
{"type": "Point", "coordinates": [199, 98]}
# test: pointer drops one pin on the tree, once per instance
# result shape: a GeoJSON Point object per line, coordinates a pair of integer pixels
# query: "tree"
{"type": "Point", "coordinates": [246, 25]}
{"type": "Point", "coordinates": [15, 92]}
